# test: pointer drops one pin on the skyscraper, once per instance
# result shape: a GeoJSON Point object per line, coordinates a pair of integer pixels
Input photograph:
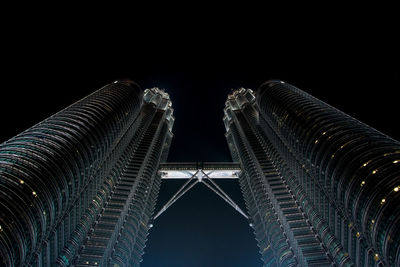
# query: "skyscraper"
{"type": "Point", "coordinates": [79, 188]}
{"type": "Point", "coordinates": [321, 187]}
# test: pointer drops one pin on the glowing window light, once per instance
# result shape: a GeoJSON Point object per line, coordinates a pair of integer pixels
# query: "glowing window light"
{"type": "Point", "coordinates": [362, 183]}
{"type": "Point", "coordinates": [34, 193]}
{"type": "Point", "coordinates": [383, 200]}
{"type": "Point", "coordinates": [21, 181]}
{"type": "Point", "coordinates": [358, 234]}
{"type": "Point", "coordinates": [396, 189]}
{"type": "Point", "coordinates": [396, 161]}
{"type": "Point", "coordinates": [374, 171]}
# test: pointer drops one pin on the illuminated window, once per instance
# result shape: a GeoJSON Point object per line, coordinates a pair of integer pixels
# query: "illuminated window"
{"type": "Point", "coordinates": [21, 181]}
{"type": "Point", "coordinates": [396, 189]}
{"type": "Point", "coordinates": [362, 183]}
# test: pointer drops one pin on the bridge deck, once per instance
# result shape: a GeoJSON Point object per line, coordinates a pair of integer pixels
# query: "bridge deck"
{"type": "Point", "coordinates": [187, 170]}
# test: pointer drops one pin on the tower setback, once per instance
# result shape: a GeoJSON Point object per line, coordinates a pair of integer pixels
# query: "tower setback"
{"type": "Point", "coordinates": [321, 187]}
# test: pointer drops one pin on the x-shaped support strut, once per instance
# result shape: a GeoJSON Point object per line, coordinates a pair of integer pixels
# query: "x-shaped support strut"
{"type": "Point", "coordinates": [200, 176]}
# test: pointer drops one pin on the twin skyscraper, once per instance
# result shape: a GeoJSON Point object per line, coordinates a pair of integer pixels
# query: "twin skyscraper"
{"type": "Point", "coordinates": [80, 187]}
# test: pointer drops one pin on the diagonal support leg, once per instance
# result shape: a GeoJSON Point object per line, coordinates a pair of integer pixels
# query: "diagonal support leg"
{"type": "Point", "coordinates": [185, 188]}
{"type": "Point", "coordinates": [227, 199]}
{"type": "Point", "coordinates": [180, 189]}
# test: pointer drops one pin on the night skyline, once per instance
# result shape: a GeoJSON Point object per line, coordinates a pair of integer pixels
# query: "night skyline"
{"type": "Point", "coordinates": [364, 88]}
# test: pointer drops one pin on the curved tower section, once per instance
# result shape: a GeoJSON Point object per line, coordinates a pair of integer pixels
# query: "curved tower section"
{"type": "Point", "coordinates": [322, 188]}
{"type": "Point", "coordinates": [349, 171]}
{"type": "Point", "coordinates": [57, 177]}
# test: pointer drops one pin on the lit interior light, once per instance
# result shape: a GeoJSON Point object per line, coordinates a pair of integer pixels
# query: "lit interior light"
{"type": "Point", "coordinates": [34, 193]}
{"type": "Point", "coordinates": [376, 256]}
{"type": "Point", "coordinates": [372, 221]}
{"type": "Point", "coordinates": [383, 200]}
{"type": "Point", "coordinates": [95, 263]}
{"type": "Point", "coordinates": [323, 133]}
{"type": "Point", "coordinates": [374, 171]}
{"type": "Point", "coordinates": [396, 189]}
{"type": "Point", "coordinates": [333, 156]}
{"type": "Point", "coordinates": [358, 234]}
{"type": "Point", "coordinates": [365, 164]}
{"type": "Point", "coordinates": [362, 183]}
{"type": "Point", "coordinates": [396, 161]}
{"type": "Point", "coordinates": [21, 181]}
{"type": "Point", "coordinates": [316, 141]}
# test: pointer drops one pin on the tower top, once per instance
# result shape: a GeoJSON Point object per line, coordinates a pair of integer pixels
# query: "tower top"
{"type": "Point", "coordinates": [238, 98]}
{"type": "Point", "coordinates": [271, 83]}
{"type": "Point", "coordinates": [128, 82]}
{"type": "Point", "coordinates": [158, 97]}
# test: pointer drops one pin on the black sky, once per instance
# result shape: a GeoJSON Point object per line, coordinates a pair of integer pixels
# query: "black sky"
{"type": "Point", "coordinates": [44, 72]}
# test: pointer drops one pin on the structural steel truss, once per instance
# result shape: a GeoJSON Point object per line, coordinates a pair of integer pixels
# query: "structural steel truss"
{"type": "Point", "coordinates": [199, 172]}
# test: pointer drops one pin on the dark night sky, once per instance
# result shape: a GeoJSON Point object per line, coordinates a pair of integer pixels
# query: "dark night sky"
{"type": "Point", "coordinates": [44, 73]}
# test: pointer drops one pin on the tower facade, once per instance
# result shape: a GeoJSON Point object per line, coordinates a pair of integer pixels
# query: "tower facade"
{"type": "Point", "coordinates": [321, 187]}
{"type": "Point", "coordinates": [79, 188]}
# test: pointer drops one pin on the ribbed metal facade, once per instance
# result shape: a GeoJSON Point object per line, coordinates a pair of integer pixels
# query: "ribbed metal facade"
{"type": "Point", "coordinates": [321, 187]}
{"type": "Point", "coordinates": [79, 188]}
